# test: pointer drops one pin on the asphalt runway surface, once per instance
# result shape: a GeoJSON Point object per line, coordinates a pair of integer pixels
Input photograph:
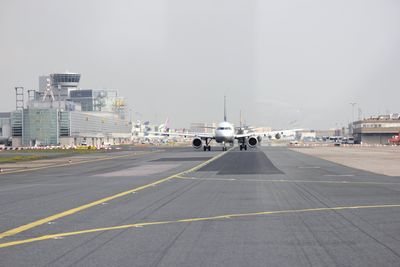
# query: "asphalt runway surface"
{"type": "Point", "coordinates": [179, 207]}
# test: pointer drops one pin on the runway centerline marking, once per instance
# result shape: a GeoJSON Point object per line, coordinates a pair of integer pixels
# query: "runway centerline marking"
{"type": "Point", "coordinates": [54, 217]}
{"type": "Point", "coordinates": [80, 162]}
{"type": "Point", "coordinates": [283, 181]}
{"type": "Point", "coordinates": [189, 220]}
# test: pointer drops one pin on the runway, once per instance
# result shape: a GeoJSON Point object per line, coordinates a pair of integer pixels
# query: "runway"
{"type": "Point", "coordinates": [267, 206]}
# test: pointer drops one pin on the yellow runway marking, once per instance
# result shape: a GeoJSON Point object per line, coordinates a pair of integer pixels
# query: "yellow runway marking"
{"type": "Point", "coordinates": [284, 181]}
{"type": "Point", "coordinates": [31, 225]}
{"type": "Point", "coordinates": [189, 220]}
{"type": "Point", "coordinates": [80, 162]}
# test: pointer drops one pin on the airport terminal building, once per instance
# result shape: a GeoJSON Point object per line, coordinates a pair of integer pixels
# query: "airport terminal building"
{"type": "Point", "coordinates": [61, 114]}
{"type": "Point", "coordinates": [376, 130]}
{"type": "Point", "coordinates": [5, 128]}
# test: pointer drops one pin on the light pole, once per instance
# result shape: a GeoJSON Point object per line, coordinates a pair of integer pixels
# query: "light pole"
{"type": "Point", "coordinates": [351, 125]}
{"type": "Point", "coordinates": [353, 104]}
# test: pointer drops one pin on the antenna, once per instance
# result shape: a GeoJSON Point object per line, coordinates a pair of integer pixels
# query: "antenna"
{"type": "Point", "coordinates": [224, 107]}
{"type": "Point", "coordinates": [353, 105]}
{"type": "Point", "coordinates": [48, 91]}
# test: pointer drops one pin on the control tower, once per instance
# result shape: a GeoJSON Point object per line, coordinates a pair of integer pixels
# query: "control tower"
{"type": "Point", "coordinates": [61, 84]}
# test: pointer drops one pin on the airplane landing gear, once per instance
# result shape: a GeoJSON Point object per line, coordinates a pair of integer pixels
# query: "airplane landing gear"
{"type": "Point", "coordinates": [243, 144]}
{"type": "Point", "coordinates": [207, 145]}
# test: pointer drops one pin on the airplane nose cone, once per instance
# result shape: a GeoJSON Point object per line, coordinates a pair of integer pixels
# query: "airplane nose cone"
{"type": "Point", "coordinates": [223, 137]}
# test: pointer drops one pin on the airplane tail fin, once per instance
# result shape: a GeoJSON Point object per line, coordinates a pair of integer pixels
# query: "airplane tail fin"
{"type": "Point", "coordinates": [240, 120]}
{"type": "Point", "coordinates": [164, 128]}
{"type": "Point", "coordinates": [167, 125]}
{"type": "Point", "coordinates": [224, 107]}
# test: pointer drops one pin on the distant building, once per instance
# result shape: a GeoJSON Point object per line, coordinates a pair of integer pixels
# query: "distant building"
{"type": "Point", "coordinates": [61, 114]}
{"type": "Point", "coordinates": [376, 130]}
{"type": "Point", "coordinates": [5, 127]}
{"type": "Point", "coordinates": [98, 100]}
{"type": "Point", "coordinates": [51, 126]}
{"type": "Point", "coordinates": [306, 135]}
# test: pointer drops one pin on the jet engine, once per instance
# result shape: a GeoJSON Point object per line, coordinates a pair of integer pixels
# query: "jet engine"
{"type": "Point", "coordinates": [252, 141]}
{"type": "Point", "coordinates": [197, 143]}
{"type": "Point", "coordinates": [278, 136]}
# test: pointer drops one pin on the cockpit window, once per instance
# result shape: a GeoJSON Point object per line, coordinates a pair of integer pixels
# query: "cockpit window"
{"type": "Point", "coordinates": [223, 128]}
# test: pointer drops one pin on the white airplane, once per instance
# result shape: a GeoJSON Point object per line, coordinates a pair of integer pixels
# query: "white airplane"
{"type": "Point", "coordinates": [289, 134]}
{"type": "Point", "coordinates": [160, 135]}
{"type": "Point", "coordinates": [224, 134]}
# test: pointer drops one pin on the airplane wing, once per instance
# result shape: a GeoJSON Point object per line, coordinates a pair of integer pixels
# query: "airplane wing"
{"type": "Point", "coordinates": [199, 135]}
{"type": "Point", "coordinates": [244, 135]}
{"type": "Point", "coordinates": [206, 127]}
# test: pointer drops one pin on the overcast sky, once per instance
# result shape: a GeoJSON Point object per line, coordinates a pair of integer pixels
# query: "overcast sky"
{"type": "Point", "coordinates": [285, 64]}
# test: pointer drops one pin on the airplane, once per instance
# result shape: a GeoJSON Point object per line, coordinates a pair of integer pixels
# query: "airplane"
{"type": "Point", "coordinates": [142, 132]}
{"type": "Point", "coordinates": [160, 135]}
{"type": "Point", "coordinates": [224, 134]}
{"type": "Point", "coordinates": [288, 134]}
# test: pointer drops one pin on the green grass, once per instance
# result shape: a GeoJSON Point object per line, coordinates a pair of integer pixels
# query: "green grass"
{"type": "Point", "coordinates": [51, 151]}
{"type": "Point", "coordinates": [20, 158]}
{"type": "Point", "coordinates": [10, 157]}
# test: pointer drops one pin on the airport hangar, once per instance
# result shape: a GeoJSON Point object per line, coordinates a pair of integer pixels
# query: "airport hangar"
{"type": "Point", "coordinates": [376, 130]}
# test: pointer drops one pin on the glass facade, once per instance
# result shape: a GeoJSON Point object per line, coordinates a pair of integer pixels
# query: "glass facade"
{"type": "Point", "coordinates": [64, 123]}
{"type": "Point", "coordinates": [98, 100]}
{"type": "Point", "coordinates": [98, 124]}
{"type": "Point", "coordinates": [5, 124]}
{"type": "Point", "coordinates": [60, 78]}
{"type": "Point", "coordinates": [40, 127]}
{"type": "Point", "coordinates": [45, 126]}
{"type": "Point", "coordinates": [83, 97]}
{"type": "Point", "coordinates": [16, 123]}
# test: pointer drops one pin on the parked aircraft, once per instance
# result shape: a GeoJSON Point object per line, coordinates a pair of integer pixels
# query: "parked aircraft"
{"type": "Point", "coordinates": [288, 134]}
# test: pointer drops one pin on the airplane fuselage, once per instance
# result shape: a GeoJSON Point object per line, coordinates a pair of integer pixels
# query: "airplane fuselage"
{"type": "Point", "coordinates": [225, 133]}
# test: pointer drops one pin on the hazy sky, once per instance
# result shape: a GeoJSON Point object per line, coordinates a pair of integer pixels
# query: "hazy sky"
{"type": "Point", "coordinates": [286, 63]}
